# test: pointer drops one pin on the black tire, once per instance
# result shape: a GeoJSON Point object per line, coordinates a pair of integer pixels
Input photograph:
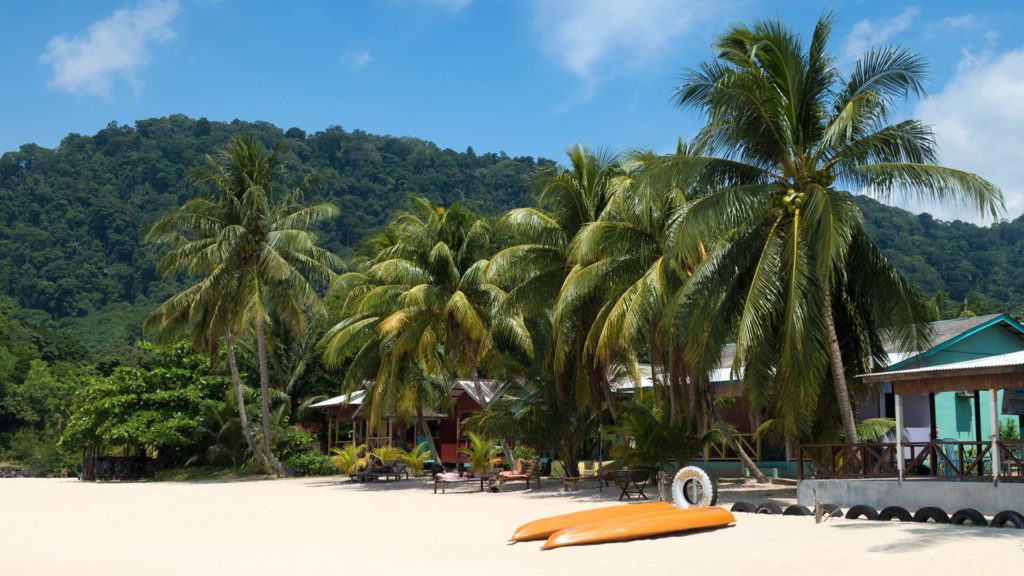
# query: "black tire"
{"type": "Point", "coordinates": [769, 508]}
{"type": "Point", "coordinates": [832, 510]}
{"type": "Point", "coordinates": [859, 510]}
{"type": "Point", "coordinates": [890, 513]}
{"type": "Point", "coordinates": [932, 513]}
{"type": "Point", "coordinates": [1008, 519]}
{"type": "Point", "coordinates": [744, 506]}
{"type": "Point", "coordinates": [797, 510]}
{"type": "Point", "coordinates": [968, 516]}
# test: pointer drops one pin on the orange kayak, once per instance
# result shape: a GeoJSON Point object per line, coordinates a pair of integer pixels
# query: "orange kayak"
{"type": "Point", "coordinates": [541, 529]}
{"type": "Point", "coordinates": [640, 526]}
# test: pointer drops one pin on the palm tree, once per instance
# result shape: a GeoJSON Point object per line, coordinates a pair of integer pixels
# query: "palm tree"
{"type": "Point", "coordinates": [628, 261]}
{"type": "Point", "coordinates": [538, 266]}
{"type": "Point", "coordinates": [419, 312]}
{"type": "Point", "coordinates": [787, 133]}
{"type": "Point", "coordinates": [633, 263]}
{"type": "Point", "coordinates": [253, 252]}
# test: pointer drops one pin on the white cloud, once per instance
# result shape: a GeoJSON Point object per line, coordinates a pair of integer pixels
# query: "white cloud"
{"type": "Point", "coordinates": [979, 124]}
{"type": "Point", "coordinates": [114, 47]}
{"type": "Point", "coordinates": [967, 21]}
{"type": "Point", "coordinates": [866, 33]}
{"type": "Point", "coordinates": [357, 60]}
{"type": "Point", "coordinates": [594, 38]}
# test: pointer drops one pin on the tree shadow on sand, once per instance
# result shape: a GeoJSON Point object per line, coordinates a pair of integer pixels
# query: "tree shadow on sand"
{"type": "Point", "coordinates": [916, 537]}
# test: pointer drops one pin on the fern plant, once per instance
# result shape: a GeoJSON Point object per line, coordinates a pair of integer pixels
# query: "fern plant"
{"type": "Point", "coordinates": [481, 453]}
{"type": "Point", "coordinates": [387, 453]}
{"type": "Point", "coordinates": [417, 458]}
{"type": "Point", "coordinates": [348, 458]}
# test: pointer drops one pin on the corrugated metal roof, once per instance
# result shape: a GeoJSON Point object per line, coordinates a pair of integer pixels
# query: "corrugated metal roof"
{"type": "Point", "coordinates": [488, 387]}
{"type": "Point", "coordinates": [353, 398]}
{"type": "Point", "coordinates": [998, 361]}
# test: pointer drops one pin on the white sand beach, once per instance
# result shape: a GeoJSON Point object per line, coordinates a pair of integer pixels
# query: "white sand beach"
{"type": "Point", "coordinates": [326, 526]}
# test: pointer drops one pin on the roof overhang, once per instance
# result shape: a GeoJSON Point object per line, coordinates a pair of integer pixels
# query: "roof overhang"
{"type": "Point", "coordinates": [992, 373]}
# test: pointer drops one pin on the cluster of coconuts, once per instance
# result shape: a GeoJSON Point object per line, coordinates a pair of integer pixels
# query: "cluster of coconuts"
{"type": "Point", "coordinates": [793, 200]}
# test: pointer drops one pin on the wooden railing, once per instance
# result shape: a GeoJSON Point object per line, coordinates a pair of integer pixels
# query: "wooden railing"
{"type": "Point", "coordinates": [941, 460]}
{"type": "Point", "coordinates": [722, 451]}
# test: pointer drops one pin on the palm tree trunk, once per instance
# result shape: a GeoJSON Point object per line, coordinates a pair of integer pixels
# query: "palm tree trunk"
{"type": "Point", "coordinates": [835, 357]}
{"type": "Point", "coordinates": [613, 410]}
{"type": "Point", "coordinates": [243, 416]}
{"type": "Point", "coordinates": [476, 385]}
{"type": "Point", "coordinates": [730, 438]}
{"type": "Point", "coordinates": [422, 421]}
{"type": "Point", "coordinates": [261, 350]}
{"type": "Point", "coordinates": [673, 400]}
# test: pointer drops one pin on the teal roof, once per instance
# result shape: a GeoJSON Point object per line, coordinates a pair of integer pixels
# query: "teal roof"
{"type": "Point", "coordinates": [946, 333]}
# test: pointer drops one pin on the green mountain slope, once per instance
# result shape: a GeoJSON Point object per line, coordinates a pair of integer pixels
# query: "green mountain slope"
{"type": "Point", "coordinates": [984, 265]}
{"type": "Point", "coordinates": [71, 218]}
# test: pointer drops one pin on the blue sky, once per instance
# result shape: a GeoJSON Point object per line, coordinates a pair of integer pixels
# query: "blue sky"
{"type": "Point", "coordinates": [525, 77]}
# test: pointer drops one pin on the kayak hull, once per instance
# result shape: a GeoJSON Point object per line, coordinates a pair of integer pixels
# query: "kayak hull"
{"type": "Point", "coordinates": [646, 525]}
{"type": "Point", "coordinates": [544, 527]}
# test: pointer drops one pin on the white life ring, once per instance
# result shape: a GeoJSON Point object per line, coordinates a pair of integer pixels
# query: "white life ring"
{"type": "Point", "coordinates": [693, 488]}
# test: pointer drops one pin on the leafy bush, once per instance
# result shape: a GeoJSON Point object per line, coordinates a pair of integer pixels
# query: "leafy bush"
{"type": "Point", "coordinates": [1008, 430]}
{"type": "Point", "coordinates": [291, 442]}
{"type": "Point", "coordinates": [158, 408]}
{"type": "Point", "coordinates": [524, 452]}
{"type": "Point", "coordinates": [311, 464]}
{"type": "Point", "coordinates": [652, 439]}
{"type": "Point", "coordinates": [40, 454]}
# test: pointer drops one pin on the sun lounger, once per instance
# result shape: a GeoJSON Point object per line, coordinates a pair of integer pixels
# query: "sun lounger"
{"type": "Point", "coordinates": [521, 470]}
{"type": "Point", "coordinates": [445, 478]}
{"type": "Point", "coordinates": [396, 471]}
{"type": "Point", "coordinates": [373, 471]}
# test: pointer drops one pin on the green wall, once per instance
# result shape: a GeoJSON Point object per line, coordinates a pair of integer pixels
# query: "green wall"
{"type": "Point", "coordinates": [954, 415]}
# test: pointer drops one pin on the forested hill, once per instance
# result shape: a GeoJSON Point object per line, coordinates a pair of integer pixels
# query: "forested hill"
{"type": "Point", "coordinates": [982, 267]}
{"type": "Point", "coordinates": [71, 218]}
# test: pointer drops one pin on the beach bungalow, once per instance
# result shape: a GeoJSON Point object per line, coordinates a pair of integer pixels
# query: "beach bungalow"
{"type": "Point", "coordinates": [953, 416]}
{"type": "Point", "coordinates": [949, 403]}
{"type": "Point", "coordinates": [347, 422]}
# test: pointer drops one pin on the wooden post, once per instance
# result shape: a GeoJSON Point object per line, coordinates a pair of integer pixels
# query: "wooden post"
{"type": "Point", "coordinates": [899, 436]}
{"type": "Point", "coordinates": [994, 414]}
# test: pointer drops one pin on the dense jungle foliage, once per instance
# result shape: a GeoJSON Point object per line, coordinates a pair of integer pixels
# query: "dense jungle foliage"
{"type": "Point", "coordinates": [77, 280]}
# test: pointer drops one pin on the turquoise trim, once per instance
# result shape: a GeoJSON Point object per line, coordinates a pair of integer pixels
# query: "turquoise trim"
{"type": "Point", "coordinates": [959, 337]}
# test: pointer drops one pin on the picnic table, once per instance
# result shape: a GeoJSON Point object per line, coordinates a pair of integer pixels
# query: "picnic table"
{"type": "Point", "coordinates": [633, 482]}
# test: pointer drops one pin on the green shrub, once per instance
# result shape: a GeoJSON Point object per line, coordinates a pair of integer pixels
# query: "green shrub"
{"type": "Point", "coordinates": [1008, 430]}
{"type": "Point", "coordinates": [524, 452]}
{"type": "Point", "coordinates": [40, 454]}
{"type": "Point", "coordinates": [291, 442]}
{"type": "Point", "coordinates": [311, 464]}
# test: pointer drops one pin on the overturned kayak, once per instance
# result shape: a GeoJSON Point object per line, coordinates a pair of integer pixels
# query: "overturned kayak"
{"type": "Point", "coordinates": [544, 527]}
{"type": "Point", "coordinates": [646, 525]}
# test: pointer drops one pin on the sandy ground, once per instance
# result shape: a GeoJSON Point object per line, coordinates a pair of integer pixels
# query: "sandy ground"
{"type": "Point", "coordinates": [325, 526]}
